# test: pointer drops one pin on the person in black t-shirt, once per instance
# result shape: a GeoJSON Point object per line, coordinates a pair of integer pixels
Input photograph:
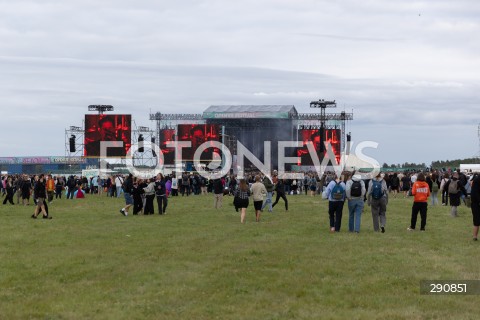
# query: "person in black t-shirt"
{"type": "Point", "coordinates": [475, 206]}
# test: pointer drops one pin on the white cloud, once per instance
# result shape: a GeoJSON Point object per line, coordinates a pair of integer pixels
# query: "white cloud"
{"type": "Point", "coordinates": [399, 65]}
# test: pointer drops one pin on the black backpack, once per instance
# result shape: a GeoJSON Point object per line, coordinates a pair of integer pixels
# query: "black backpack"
{"type": "Point", "coordinates": [356, 189]}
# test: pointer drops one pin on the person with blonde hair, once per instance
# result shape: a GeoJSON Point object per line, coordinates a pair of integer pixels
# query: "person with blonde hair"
{"type": "Point", "coordinates": [258, 192]}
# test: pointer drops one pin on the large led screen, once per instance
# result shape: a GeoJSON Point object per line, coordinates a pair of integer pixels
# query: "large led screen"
{"type": "Point", "coordinates": [314, 135]}
{"type": "Point", "coordinates": [198, 134]}
{"type": "Point", "coordinates": [116, 128]}
{"type": "Point", "coordinates": [167, 135]}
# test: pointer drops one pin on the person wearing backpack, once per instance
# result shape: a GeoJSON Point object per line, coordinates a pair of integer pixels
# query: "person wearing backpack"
{"type": "Point", "coordinates": [335, 193]}
{"type": "Point", "coordinates": [432, 181]}
{"type": "Point", "coordinates": [377, 198]}
{"type": "Point", "coordinates": [455, 190]}
{"type": "Point", "coordinates": [420, 192]}
{"type": "Point", "coordinates": [355, 191]}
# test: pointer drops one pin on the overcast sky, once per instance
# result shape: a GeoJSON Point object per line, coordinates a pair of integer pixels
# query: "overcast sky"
{"type": "Point", "coordinates": [409, 70]}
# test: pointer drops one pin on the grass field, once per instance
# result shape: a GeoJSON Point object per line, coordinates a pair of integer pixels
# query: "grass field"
{"type": "Point", "coordinates": [90, 262]}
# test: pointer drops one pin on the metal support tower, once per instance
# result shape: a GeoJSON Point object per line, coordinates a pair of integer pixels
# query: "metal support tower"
{"type": "Point", "coordinates": [172, 120]}
{"type": "Point", "coordinates": [319, 121]}
{"type": "Point", "coordinates": [78, 133]}
{"type": "Point", "coordinates": [144, 159]}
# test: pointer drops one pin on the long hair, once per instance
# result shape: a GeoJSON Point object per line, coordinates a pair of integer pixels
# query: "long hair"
{"type": "Point", "coordinates": [243, 185]}
{"type": "Point", "coordinates": [421, 177]}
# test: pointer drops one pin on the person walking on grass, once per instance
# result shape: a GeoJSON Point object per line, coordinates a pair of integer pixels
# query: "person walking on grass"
{"type": "Point", "coordinates": [355, 192]}
{"type": "Point", "coordinates": [40, 194]}
{"type": "Point", "coordinates": [443, 190]}
{"type": "Point", "coordinates": [9, 190]}
{"type": "Point", "coordinates": [455, 190]}
{"type": "Point", "coordinates": [475, 205]}
{"type": "Point", "coordinates": [242, 193]}
{"type": "Point", "coordinates": [405, 185]}
{"type": "Point", "coordinates": [161, 194]}
{"type": "Point", "coordinates": [218, 193]}
{"type": "Point", "coordinates": [149, 191]}
{"type": "Point", "coordinates": [118, 185]}
{"type": "Point", "coordinates": [137, 192]}
{"type": "Point", "coordinates": [127, 192]}
{"type": "Point", "coordinates": [420, 192]}
{"type": "Point", "coordinates": [377, 198]}
{"type": "Point", "coordinates": [258, 192]}
{"type": "Point", "coordinates": [26, 190]}
{"type": "Point", "coordinates": [395, 184]}
{"type": "Point", "coordinates": [335, 193]}
{"type": "Point", "coordinates": [50, 188]}
{"type": "Point", "coordinates": [267, 182]}
{"type": "Point", "coordinates": [432, 181]}
{"type": "Point", "coordinates": [280, 188]}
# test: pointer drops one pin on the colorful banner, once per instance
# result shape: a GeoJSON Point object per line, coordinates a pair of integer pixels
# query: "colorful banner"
{"type": "Point", "coordinates": [42, 160]}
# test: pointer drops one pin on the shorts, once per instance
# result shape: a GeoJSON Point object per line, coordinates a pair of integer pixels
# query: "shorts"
{"type": "Point", "coordinates": [128, 198]}
{"type": "Point", "coordinates": [242, 203]}
{"type": "Point", "coordinates": [476, 213]}
{"type": "Point", "coordinates": [40, 202]}
{"type": "Point", "coordinates": [258, 205]}
{"type": "Point", "coordinates": [313, 188]}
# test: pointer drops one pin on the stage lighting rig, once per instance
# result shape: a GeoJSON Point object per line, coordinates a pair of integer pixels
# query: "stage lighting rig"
{"type": "Point", "coordinates": [323, 104]}
{"type": "Point", "coordinates": [101, 108]}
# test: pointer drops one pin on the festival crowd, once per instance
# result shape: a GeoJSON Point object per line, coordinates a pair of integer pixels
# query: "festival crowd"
{"type": "Point", "coordinates": [448, 188]}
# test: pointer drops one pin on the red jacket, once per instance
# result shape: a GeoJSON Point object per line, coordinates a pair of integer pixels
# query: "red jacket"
{"type": "Point", "coordinates": [420, 191]}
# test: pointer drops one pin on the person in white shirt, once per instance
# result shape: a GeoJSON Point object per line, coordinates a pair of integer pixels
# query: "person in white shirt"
{"type": "Point", "coordinates": [118, 185]}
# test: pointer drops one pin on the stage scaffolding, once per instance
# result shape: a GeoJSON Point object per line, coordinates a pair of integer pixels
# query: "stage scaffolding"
{"type": "Point", "coordinates": [299, 121]}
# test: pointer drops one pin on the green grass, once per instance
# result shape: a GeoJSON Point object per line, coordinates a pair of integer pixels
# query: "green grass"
{"type": "Point", "coordinates": [90, 262]}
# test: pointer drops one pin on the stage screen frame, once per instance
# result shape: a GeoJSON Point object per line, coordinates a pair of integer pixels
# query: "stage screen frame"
{"type": "Point", "coordinates": [331, 135]}
{"type": "Point", "coordinates": [198, 134]}
{"type": "Point", "coordinates": [107, 127]}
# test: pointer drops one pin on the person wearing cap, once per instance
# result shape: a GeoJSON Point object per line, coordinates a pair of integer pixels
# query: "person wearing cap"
{"type": "Point", "coordinates": [355, 202]}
